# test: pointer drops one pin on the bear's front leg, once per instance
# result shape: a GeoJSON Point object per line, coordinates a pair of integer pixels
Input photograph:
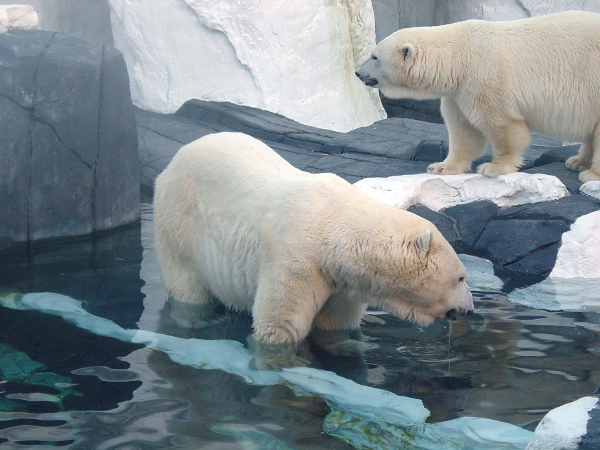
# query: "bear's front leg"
{"type": "Point", "coordinates": [465, 141]}
{"type": "Point", "coordinates": [284, 308]}
{"type": "Point", "coordinates": [194, 315]}
{"type": "Point", "coordinates": [587, 161]}
{"type": "Point", "coordinates": [508, 143]}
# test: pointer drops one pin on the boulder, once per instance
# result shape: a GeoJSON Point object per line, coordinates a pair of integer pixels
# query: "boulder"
{"type": "Point", "coordinates": [68, 144]}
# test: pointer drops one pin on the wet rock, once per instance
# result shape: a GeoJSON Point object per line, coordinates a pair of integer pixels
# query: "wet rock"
{"type": "Point", "coordinates": [68, 147]}
{"type": "Point", "coordinates": [470, 220]}
{"type": "Point", "coordinates": [575, 425]}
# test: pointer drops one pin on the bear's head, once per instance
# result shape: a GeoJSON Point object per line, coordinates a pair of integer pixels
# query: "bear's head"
{"type": "Point", "coordinates": [427, 281]}
{"type": "Point", "coordinates": [409, 64]}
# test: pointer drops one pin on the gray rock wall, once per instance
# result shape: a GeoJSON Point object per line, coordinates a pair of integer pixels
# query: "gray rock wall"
{"type": "Point", "coordinates": [68, 142]}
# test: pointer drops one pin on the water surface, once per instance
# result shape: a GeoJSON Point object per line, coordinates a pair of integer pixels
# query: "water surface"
{"type": "Point", "coordinates": [65, 386]}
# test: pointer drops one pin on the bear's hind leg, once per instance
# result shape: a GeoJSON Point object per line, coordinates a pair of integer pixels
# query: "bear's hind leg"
{"type": "Point", "coordinates": [192, 304]}
{"type": "Point", "coordinates": [582, 160]}
{"type": "Point", "coordinates": [590, 155]}
{"type": "Point", "coordinates": [465, 141]}
{"type": "Point", "coordinates": [508, 143]}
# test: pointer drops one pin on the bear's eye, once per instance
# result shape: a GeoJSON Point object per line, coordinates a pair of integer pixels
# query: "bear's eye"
{"type": "Point", "coordinates": [461, 279]}
{"type": "Point", "coordinates": [374, 57]}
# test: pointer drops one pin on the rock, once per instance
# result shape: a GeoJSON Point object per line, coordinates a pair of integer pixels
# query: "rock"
{"type": "Point", "coordinates": [470, 220]}
{"type": "Point", "coordinates": [425, 110]}
{"type": "Point", "coordinates": [85, 18]}
{"type": "Point", "coordinates": [591, 188]}
{"type": "Point", "coordinates": [437, 192]}
{"type": "Point", "coordinates": [68, 147]}
{"type": "Point", "coordinates": [521, 246]}
{"type": "Point", "coordinates": [293, 59]}
{"type": "Point", "coordinates": [569, 178]}
{"type": "Point", "coordinates": [14, 17]}
{"type": "Point", "coordinates": [571, 426]}
{"type": "Point", "coordinates": [578, 256]}
{"type": "Point", "coordinates": [443, 223]}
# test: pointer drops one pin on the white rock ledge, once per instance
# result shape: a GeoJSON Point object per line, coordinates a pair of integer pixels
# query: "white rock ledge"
{"type": "Point", "coordinates": [17, 17]}
{"type": "Point", "coordinates": [437, 192]}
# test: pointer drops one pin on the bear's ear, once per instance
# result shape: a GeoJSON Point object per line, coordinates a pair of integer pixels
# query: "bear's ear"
{"type": "Point", "coordinates": [407, 50]}
{"type": "Point", "coordinates": [423, 242]}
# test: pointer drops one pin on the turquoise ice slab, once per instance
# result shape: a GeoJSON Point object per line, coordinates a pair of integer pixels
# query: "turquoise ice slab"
{"type": "Point", "coordinates": [365, 417]}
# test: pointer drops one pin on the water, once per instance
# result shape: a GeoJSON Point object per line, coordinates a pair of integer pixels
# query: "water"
{"type": "Point", "coordinates": [67, 387]}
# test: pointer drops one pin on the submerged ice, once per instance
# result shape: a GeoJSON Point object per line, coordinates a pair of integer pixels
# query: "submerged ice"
{"type": "Point", "coordinates": [365, 417]}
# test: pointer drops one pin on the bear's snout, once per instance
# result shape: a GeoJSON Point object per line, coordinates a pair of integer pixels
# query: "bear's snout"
{"type": "Point", "coordinates": [453, 314]}
{"type": "Point", "coordinates": [369, 81]}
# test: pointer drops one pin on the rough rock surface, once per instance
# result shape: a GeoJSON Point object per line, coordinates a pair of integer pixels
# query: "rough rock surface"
{"type": "Point", "coordinates": [521, 240]}
{"type": "Point", "coordinates": [68, 143]}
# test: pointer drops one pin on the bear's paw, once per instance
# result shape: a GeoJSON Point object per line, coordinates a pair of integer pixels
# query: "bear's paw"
{"type": "Point", "coordinates": [494, 170]}
{"type": "Point", "coordinates": [447, 168]}
{"type": "Point", "coordinates": [588, 175]}
{"type": "Point", "coordinates": [577, 163]}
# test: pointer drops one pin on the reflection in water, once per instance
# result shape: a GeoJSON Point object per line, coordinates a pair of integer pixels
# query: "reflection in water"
{"type": "Point", "coordinates": [78, 390]}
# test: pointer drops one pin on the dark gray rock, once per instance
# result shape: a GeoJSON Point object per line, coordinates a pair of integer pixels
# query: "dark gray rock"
{"type": "Point", "coordinates": [470, 220]}
{"type": "Point", "coordinates": [567, 209]}
{"type": "Point", "coordinates": [591, 440]}
{"type": "Point", "coordinates": [68, 148]}
{"type": "Point", "coordinates": [116, 198]}
{"type": "Point", "coordinates": [556, 154]}
{"type": "Point", "coordinates": [442, 222]}
{"type": "Point", "coordinates": [569, 178]}
{"type": "Point", "coordinates": [15, 163]}
{"type": "Point", "coordinates": [424, 110]}
{"type": "Point", "coordinates": [508, 242]}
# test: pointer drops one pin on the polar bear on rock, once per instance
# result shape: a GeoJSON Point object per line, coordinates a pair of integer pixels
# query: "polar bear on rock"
{"type": "Point", "coordinates": [236, 224]}
{"type": "Point", "coordinates": [498, 81]}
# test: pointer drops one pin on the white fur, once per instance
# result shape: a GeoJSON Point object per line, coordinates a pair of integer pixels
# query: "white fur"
{"type": "Point", "coordinates": [498, 81]}
{"type": "Point", "coordinates": [235, 223]}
